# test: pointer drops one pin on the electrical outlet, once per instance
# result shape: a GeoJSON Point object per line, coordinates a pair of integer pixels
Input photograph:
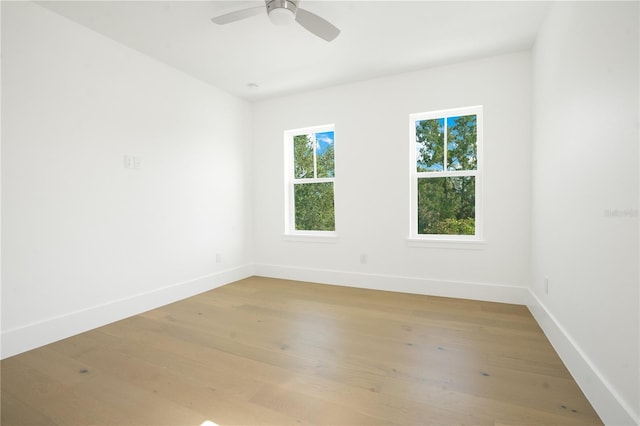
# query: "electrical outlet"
{"type": "Point", "coordinates": [364, 259]}
{"type": "Point", "coordinates": [128, 162]}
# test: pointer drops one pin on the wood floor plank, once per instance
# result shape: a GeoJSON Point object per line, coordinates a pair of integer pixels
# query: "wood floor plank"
{"type": "Point", "coordinates": [16, 412]}
{"type": "Point", "coordinates": [197, 385]}
{"type": "Point", "coordinates": [268, 351]}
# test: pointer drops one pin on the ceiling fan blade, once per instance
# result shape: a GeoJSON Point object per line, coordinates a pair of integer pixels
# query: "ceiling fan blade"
{"type": "Point", "coordinates": [317, 25]}
{"type": "Point", "coordinates": [238, 15]}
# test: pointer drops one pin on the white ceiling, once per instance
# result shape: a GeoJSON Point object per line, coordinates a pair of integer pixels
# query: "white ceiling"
{"type": "Point", "coordinates": [378, 38]}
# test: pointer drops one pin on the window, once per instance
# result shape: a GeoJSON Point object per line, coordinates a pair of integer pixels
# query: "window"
{"type": "Point", "coordinates": [446, 181]}
{"type": "Point", "coordinates": [310, 180]}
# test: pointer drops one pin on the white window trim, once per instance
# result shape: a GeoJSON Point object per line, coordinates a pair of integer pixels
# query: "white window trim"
{"type": "Point", "coordinates": [290, 231]}
{"type": "Point", "coordinates": [329, 237]}
{"type": "Point", "coordinates": [473, 242]}
{"type": "Point", "coordinates": [458, 244]}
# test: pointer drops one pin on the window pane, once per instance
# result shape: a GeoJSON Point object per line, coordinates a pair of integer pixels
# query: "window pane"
{"type": "Point", "coordinates": [461, 143]}
{"type": "Point", "coordinates": [446, 205]}
{"type": "Point", "coordinates": [430, 145]}
{"type": "Point", "coordinates": [325, 154]}
{"type": "Point", "coordinates": [314, 207]}
{"type": "Point", "coordinates": [303, 157]}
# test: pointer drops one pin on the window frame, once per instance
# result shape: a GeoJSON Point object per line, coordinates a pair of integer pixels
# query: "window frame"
{"type": "Point", "coordinates": [291, 233]}
{"type": "Point", "coordinates": [446, 240]}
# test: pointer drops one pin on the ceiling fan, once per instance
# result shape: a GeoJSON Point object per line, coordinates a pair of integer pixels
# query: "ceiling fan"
{"type": "Point", "coordinates": [282, 12]}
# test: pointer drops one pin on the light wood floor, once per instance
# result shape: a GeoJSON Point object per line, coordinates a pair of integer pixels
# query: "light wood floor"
{"type": "Point", "coordinates": [265, 351]}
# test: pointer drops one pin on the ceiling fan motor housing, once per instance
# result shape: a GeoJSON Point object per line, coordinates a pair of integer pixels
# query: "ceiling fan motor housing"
{"type": "Point", "coordinates": [282, 12]}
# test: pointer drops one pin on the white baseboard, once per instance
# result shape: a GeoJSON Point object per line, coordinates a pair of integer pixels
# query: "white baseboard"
{"type": "Point", "coordinates": [612, 409]}
{"type": "Point", "coordinates": [22, 339]}
{"type": "Point", "coordinates": [458, 289]}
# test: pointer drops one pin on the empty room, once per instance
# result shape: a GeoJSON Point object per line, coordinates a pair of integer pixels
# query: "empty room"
{"type": "Point", "coordinates": [320, 212]}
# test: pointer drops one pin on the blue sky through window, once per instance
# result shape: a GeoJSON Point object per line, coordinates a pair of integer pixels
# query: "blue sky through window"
{"type": "Point", "coordinates": [324, 140]}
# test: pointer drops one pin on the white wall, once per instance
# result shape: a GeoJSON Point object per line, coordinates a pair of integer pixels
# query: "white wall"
{"type": "Point", "coordinates": [84, 240]}
{"type": "Point", "coordinates": [372, 190]}
{"type": "Point", "coordinates": [585, 198]}
{"type": "Point", "coordinates": [0, 182]}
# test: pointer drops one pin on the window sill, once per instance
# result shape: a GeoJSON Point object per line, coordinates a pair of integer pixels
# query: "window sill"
{"type": "Point", "coordinates": [312, 237]}
{"type": "Point", "coordinates": [447, 243]}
